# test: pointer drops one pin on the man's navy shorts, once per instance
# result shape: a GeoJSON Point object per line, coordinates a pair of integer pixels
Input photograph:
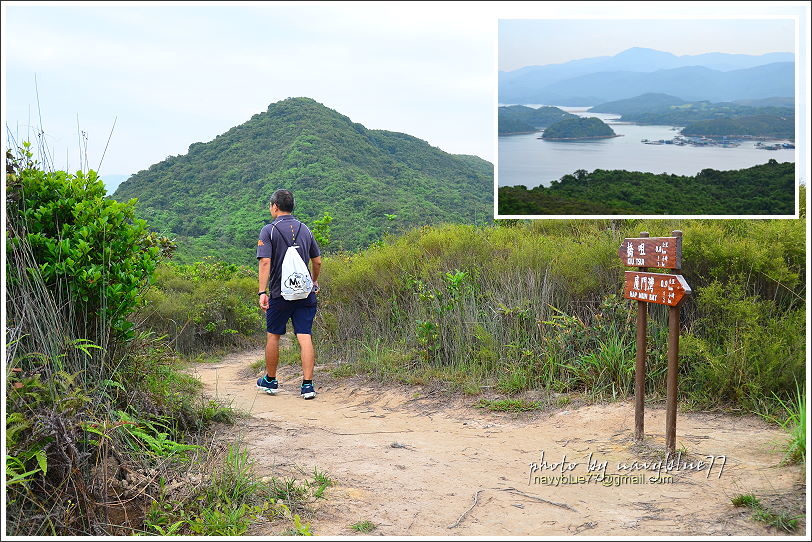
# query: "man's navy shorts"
{"type": "Point", "coordinates": [301, 312]}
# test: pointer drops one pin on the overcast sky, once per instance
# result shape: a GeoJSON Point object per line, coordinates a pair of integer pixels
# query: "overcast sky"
{"type": "Point", "coordinates": [528, 42]}
{"type": "Point", "coordinates": [177, 74]}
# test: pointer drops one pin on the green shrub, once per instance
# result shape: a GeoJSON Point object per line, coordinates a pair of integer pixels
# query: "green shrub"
{"type": "Point", "coordinates": [92, 247]}
{"type": "Point", "coordinates": [203, 305]}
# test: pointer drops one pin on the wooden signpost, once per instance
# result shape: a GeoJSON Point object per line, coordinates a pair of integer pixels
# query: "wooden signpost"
{"type": "Point", "coordinates": [664, 289]}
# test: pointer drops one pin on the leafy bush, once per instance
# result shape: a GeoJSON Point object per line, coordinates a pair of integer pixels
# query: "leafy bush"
{"type": "Point", "coordinates": [92, 247]}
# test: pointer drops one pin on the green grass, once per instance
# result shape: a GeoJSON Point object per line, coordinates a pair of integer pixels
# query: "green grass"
{"type": "Point", "coordinates": [746, 500]}
{"type": "Point", "coordinates": [234, 498]}
{"type": "Point", "coordinates": [297, 494]}
{"type": "Point", "coordinates": [322, 481]}
{"type": "Point", "coordinates": [510, 405]}
{"type": "Point", "coordinates": [795, 423]}
{"type": "Point", "coordinates": [780, 520]}
{"type": "Point", "coordinates": [365, 526]}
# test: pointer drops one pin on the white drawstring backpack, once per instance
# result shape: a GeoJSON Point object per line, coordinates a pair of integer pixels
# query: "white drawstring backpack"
{"type": "Point", "coordinates": [296, 281]}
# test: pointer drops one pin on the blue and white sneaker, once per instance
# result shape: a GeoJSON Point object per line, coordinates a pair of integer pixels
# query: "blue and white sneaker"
{"type": "Point", "coordinates": [308, 392]}
{"type": "Point", "coordinates": [271, 387]}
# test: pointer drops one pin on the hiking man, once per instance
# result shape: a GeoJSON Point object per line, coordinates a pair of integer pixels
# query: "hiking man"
{"type": "Point", "coordinates": [274, 239]}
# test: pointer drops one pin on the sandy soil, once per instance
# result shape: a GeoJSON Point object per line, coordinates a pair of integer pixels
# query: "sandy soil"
{"type": "Point", "coordinates": [422, 463]}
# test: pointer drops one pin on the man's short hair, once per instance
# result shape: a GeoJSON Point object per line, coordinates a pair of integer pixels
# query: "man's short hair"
{"type": "Point", "coordinates": [283, 199]}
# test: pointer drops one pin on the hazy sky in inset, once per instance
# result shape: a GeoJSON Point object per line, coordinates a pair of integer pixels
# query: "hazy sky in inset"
{"type": "Point", "coordinates": [533, 42]}
{"type": "Point", "coordinates": [176, 75]}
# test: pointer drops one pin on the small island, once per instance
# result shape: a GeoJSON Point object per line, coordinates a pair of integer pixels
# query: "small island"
{"type": "Point", "coordinates": [578, 128]}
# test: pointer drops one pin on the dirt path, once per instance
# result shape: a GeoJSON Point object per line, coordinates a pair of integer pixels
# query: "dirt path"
{"type": "Point", "coordinates": [414, 465]}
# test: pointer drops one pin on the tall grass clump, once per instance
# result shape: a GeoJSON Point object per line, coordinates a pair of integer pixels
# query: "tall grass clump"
{"type": "Point", "coordinates": [538, 305]}
{"type": "Point", "coordinates": [86, 414]}
{"type": "Point", "coordinates": [794, 422]}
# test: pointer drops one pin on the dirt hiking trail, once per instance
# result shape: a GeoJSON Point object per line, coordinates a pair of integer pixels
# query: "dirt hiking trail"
{"type": "Point", "coordinates": [417, 463]}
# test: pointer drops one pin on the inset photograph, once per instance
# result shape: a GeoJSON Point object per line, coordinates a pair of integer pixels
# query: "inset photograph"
{"type": "Point", "coordinates": [647, 117]}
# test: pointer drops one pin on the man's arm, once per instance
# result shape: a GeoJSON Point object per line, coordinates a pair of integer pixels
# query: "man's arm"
{"type": "Point", "coordinates": [264, 276]}
{"type": "Point", "coordinates": [315, 264]}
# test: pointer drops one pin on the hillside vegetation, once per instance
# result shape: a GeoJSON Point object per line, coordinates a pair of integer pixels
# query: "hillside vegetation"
{"type": "Point", "coordinates": [767, 189]}
{"type": "Point", "coordinates": [371, 182]}
{"type": "Point", "coordinates": [538, 306]}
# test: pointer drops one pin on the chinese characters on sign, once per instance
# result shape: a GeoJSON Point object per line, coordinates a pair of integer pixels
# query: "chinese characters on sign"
{"type": "Point", "coordinates": [660, 288]}
{"type": "Point", "coordinates": [660, 252]}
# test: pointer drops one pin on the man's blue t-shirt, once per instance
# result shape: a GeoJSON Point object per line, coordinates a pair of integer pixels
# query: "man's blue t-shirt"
{"type": "Point", "coordinates": [271, 245]}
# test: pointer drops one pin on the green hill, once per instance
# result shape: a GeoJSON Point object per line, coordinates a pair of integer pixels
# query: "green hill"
{"type": "Point", "coordinates": [515, 119]}
{"type": "Point", "coordinates": [215, 197]}
{"type": "Point", "coordinates": [578, 128]}
{"type": "Point", "coordinates": [767, 189]}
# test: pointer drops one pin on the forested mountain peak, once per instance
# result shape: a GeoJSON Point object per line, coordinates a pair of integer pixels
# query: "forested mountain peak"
{"type": "Point", "coordinates": [214, 198]}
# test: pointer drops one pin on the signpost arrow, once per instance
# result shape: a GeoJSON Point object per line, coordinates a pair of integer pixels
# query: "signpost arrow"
{"type": "Point", "coordinates": [660, 288]}
{"type": "Point", "coordinates": [660, 252]}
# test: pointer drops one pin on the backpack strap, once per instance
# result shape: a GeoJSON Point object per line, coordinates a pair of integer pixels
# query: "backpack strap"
{"type": "Point", "coordinates": [295, 235]}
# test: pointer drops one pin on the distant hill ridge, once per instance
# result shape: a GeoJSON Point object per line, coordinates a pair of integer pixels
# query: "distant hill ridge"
{"type": "Point", "coordinates": [710, 76]}
{"type": "Point", "coordinates": [215, 197]}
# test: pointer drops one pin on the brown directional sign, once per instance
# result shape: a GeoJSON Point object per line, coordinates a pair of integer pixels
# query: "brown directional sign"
{"type": "Point", "coordinates": [661, 252]}
{"type": "Point", "coordinates": [660, 288]}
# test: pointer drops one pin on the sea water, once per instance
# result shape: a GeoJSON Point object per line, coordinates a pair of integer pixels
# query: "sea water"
{"type": "Point", "coordinates": [525, 159]}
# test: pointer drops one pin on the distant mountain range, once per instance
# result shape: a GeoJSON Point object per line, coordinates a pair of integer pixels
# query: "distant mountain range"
{"type": "Point", "coordinates": [710, 76]}
{"type": "Point", "coordinates": [214, 199]}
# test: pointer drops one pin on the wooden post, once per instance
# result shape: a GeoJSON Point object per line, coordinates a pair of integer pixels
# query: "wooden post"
{"type": "Point", "coordinates": [671, 379]}
{"type": "Point", "coordinates": [640, 365]}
